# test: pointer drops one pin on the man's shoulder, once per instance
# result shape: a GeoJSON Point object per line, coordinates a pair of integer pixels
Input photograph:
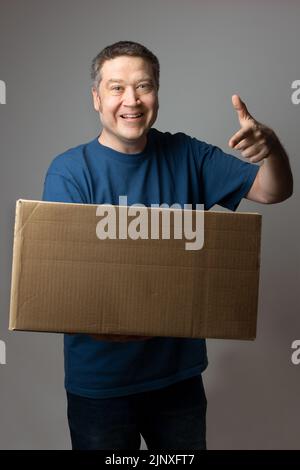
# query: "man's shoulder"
{"type": "Point", "coordinates": [168, 136]}
{"type": "Point", "coordinates": [178, 137]}
{"type": "Point", "coordinates": [180, 141]}
{"type": "Point", "coordinates": [73, 156]}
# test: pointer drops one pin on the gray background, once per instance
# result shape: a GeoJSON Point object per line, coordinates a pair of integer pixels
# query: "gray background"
{"type": "Point", "coordinates": [208, 51]}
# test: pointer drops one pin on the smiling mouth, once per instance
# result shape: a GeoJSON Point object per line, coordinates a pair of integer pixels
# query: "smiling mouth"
{"type": "Point", "coordinates": [131, 116]}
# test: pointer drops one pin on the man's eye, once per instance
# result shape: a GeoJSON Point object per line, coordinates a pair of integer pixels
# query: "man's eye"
{"type": "Point", "coordinates": [116, 88]}
{"type": "Point", "coordinates": [144, 85]}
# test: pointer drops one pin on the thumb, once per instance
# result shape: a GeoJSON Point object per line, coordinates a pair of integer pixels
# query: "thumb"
{"type": "Point", "coordinates": [241, 109]}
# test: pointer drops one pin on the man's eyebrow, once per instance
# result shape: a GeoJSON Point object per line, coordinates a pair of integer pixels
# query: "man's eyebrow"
{"type": "Point", "coordinates": [118, 80]}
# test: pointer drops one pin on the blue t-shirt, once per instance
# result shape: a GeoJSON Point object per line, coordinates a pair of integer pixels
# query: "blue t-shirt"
{"type": "Point", "coordinates": [173, 168]}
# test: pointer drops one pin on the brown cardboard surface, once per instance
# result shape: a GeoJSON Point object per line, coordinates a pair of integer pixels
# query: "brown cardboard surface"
{"type": "Point", "coordinates": [65, 279]}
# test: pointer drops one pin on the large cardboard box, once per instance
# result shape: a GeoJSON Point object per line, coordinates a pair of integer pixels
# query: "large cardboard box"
{"type": "Point", "coordinates": [66, 279]}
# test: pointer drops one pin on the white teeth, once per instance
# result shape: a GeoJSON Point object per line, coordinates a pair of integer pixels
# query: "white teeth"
{"type": "Point", "coordinates": [131, 115]}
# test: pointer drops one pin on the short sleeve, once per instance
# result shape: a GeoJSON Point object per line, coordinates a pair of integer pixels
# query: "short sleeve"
{"type": "Point", "coordinates": [224, 179]}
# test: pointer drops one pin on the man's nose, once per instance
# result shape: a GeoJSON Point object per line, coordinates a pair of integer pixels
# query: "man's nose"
{"type": "Point", "coordinates": [131, 96]}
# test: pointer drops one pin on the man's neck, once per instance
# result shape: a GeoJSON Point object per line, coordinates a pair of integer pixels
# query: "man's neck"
{"type": "Point", "coordinates": [123, 147]}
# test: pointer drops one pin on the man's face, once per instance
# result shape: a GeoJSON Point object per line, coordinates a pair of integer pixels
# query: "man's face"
{"type": "Point", "coordinates": [127, 102]}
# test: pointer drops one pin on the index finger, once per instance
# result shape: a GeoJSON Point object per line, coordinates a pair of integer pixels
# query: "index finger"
{"type": "Point", "coordinates": [240, 135]}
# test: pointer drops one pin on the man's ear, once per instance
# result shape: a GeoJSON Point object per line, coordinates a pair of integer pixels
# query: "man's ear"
{"type": "Point", "coordinates": [96, 99]}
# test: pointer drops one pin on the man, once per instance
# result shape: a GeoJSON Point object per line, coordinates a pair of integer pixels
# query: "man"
{"type": "Point", "coordinates": [119, 388]}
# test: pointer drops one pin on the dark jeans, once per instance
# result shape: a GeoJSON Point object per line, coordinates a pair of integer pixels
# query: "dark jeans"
{"type": "Point", "coordinates": [173, 417]}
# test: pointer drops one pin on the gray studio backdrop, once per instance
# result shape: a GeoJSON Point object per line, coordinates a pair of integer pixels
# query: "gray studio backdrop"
{"type": "Point", "coordinates": [208, 51]}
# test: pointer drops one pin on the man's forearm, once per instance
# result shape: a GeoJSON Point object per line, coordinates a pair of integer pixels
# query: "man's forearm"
{"type": "Point", "coordinates": [275, 176]}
